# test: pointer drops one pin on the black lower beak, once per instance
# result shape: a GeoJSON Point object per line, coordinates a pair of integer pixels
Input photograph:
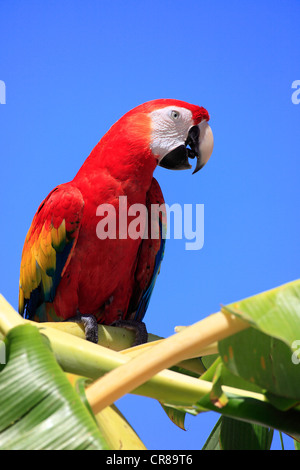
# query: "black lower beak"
{"type": "Point", "coordinates": [178, 159]}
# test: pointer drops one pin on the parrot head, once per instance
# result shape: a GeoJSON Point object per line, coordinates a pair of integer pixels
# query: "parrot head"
{"type": "Point", "coordinates": [180, 131]}
{"type": "Point", "coordinates": [174, 131]}
{"type": "Point", "coordinates": [164, 132]}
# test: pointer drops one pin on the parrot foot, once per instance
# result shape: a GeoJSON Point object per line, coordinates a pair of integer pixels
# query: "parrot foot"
{"type": "Point", "coordinates": [90, 325]}
{"type": "Point", "coordinates": [138, 327]}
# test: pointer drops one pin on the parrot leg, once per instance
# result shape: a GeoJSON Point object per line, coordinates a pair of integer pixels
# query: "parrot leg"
{"type": "Point", "coordinates": [90, 326]}
{"type": "Point", "coordinates": [138, 327]}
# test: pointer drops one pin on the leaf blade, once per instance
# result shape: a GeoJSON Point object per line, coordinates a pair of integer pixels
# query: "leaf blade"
{"type": "Point", "coordinates": [38, 407]}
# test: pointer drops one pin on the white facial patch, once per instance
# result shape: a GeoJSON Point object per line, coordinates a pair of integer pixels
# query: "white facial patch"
{"type": "Point", "coordinates": [170, 127]}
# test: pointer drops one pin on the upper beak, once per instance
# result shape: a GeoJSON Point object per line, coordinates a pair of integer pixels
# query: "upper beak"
{"type": "Point", "coordinates": [203, 146]}
{"type": "Point", "coordinates": [199, 143]}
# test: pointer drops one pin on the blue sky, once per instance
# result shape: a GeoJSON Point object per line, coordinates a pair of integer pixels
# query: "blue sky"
{"type": "Point", "coordinates": [72, 68]}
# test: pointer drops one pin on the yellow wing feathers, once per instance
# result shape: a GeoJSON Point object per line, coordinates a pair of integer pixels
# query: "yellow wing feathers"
{"type": "Point", "coordinates": [38, 263]}
{"type": "Point", "coordinates": [48, 245]}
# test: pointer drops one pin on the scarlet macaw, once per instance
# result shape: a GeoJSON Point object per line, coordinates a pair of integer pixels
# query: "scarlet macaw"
{"type": "Point", "coordinates": [67, 272]}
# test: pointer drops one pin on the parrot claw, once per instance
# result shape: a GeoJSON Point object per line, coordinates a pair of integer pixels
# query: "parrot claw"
{"type": "Point", "coordinates": [90, 326]}
{"type": "Point", "coordinates": [138, 327]}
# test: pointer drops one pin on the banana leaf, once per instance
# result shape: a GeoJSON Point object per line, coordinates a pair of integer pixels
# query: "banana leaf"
{"type": "Point", "coordinates": [231, 434]}
{"type": "Point", "coordinates": [39, 408]}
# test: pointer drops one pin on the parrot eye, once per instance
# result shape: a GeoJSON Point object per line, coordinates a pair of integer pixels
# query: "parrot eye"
{"type": "Point", "coordinates": [175, 115]}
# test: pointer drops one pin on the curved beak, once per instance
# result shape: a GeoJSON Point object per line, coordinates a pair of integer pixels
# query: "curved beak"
{"type": "Point", "coordinates": [205, 145]}
{"type": "Point", "coordinates": [199, 143]}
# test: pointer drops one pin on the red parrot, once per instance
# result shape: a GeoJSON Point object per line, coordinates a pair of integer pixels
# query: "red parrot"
{"type": "Point", "coordinates": [67, 271]}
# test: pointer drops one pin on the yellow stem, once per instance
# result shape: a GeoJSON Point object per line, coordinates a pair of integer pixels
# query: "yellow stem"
{"type": "Point", "coordinates": [194, 365]}
{"type": "Point", "coordinates": [181, 346]}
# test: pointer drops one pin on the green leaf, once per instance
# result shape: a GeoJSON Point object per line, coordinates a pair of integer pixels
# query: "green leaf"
{"type": "Point", "coordinates": [262, 360]}
{"type": "Point", "coordinates": [232, 434]}
{"type": "Point", "coordinates": [39, 408]}
{"type": "Point", "coordinates": [177, 416]}
{"type": "Point", "coordinates": [238, 435]}
{"type": "Point", "coordinates": [247, 408]}
{"type": "Point", "coordinates": [264, 354]}
{"type": "Point", "coordinates": [207, 361]}
{"type": "Point", "coordinates": [213, 442]}
{"type": "Point", "coordinates": [251, 410]}
{"type": "Point", "coordinates": [228, 378]}
{"type": "Point", "coordinates": [296, 444]}
{"type": "Point", "coordinates": [275, 312]}
{"type": "Point", "coordinates": [217, 396]}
